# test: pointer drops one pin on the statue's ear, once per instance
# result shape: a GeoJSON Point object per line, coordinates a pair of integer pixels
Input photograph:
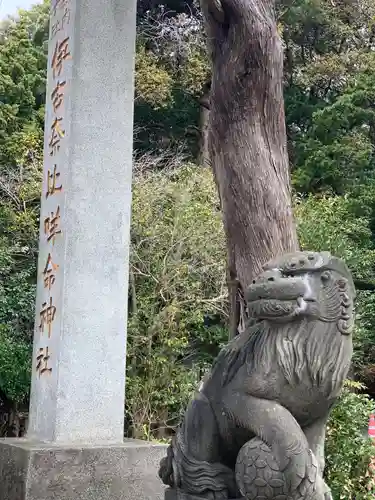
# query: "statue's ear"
{"type": "Point", "coordinates": [340, 267]}
{"type": "Point", "coordinates": [345, 323]}
{"type": "Point", "coordinates": [345, 327]}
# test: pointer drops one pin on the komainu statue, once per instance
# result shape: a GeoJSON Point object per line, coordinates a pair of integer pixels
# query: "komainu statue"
{"type": "Point", "coordinates": [255, 429]}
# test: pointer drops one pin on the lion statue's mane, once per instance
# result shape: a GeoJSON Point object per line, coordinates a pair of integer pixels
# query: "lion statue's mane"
{"type": "Point", "coordinates": [269, 393]}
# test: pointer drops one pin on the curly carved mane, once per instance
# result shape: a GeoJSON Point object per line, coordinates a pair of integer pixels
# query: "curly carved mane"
{"type": "Point", "coordinates": [313, 348]}
{"type": "Point", "coordinates": [268, 386]}
{"type": "Point", "coordinates": [301, 348]}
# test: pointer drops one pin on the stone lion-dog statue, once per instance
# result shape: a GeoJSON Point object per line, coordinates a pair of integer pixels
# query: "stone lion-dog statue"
{"type": "Point", "coordinates": [256, 427]}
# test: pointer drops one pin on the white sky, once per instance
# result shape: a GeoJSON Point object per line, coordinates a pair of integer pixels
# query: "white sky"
{"type": "Point", "coordinates": [10, 6]}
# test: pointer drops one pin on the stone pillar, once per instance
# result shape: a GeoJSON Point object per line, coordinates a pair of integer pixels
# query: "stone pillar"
{"type": "Point", "coordinates": [78, 384]}
{"type": "Point", "coordinates": [74, 445]}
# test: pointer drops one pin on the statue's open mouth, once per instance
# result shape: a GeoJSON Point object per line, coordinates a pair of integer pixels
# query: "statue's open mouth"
{"type": "Point", "coordinates": [273, 308]}
{"type": "Point", "coordinates": [274, 296]}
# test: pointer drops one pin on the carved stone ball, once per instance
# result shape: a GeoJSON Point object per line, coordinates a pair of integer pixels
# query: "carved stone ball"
{"type": "Point", "coordinates": [258, 474]}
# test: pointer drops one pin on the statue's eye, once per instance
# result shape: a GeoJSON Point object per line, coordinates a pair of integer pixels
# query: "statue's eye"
{"type": "Point", "coordinates": [325, 276]}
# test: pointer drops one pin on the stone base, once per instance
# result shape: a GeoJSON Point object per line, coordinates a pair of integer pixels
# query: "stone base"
{"type": "Point", "coordinates": [172, 494]}
{"type": "Point", "coordinates": [40, 471]}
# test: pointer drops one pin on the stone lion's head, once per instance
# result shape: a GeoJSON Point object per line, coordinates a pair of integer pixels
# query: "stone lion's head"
{"type": "Point", "coordinates": [304, 285]}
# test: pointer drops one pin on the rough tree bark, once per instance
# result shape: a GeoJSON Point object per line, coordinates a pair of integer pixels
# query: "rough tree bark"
{"type": "Point", "coordinates": [247, 137]}
{"type": "Point", "coordinates": [204, 155]}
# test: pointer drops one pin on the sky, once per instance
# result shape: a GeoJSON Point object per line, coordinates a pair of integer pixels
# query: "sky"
{"type": "Point", "coordinates": [10, 6]}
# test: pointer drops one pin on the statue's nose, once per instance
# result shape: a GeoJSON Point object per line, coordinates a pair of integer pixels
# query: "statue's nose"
{"type": "Point", "coordinates": [268, 276]}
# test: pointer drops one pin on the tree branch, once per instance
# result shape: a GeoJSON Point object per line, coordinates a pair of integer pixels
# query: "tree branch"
{"type": "Point", "coordinates": [364, 285]}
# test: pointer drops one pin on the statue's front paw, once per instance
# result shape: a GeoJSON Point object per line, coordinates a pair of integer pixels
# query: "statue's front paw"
{"type": "Point", "coordinates": [166, 471]}
{"type": "Point", "coordinates": [328, 495]}
{"type": "Point", "coordinates": [327, 491]}
{"type": "Point", "coordinates": [177, 494]}
{"type": "Point", "coordinates": [322, 490]}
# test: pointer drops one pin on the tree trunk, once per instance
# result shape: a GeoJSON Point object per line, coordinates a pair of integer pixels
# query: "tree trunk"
{"type": "Point", "coordinates": [247, 135]}
{"type": "Point", "coordinates": [204, 157]}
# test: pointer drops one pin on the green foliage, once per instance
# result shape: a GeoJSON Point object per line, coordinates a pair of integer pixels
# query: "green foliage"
{"type": "Point", "coordinates": [177, 303]}
{"type": "Point", "coordinates": [171, 73]}
{"type": "Point", "coordinates": [340, 225]}
{"type": "Point", "coordinates": [328, 93]}
{"type": "Point", "coordinates": [196, 72]}
{"type": "Point", "coordinates": [18, 249]}
{"type": "Point", "coordinates": [22, 88]}
{"type": "Point", "coordinates": [329, 222]}
{"type": "Point", "coordinates": [22, 80]}
{"type": "Point", "coordinates": [348, 452]}
{"type": "Point", "coordinates": [152, 82]}
{"type": "Point", "coordinates": [364, 354]}
{"type": "Point", "coordinates": [15, 365]}
{"type": "Point", "coordinates": [337, 150]}
{"type": "Point", "coordinates": [177, 280]}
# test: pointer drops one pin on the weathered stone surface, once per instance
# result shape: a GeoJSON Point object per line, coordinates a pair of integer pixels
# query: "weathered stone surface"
{"type": "Point", "coordinates": [256, 426]}
{"type": "Point", "coordinates": [31, 471]}
{"type": "Point", "coordinates": [173, 494]}
{"type": "Point", "coordinates": [78, 372]}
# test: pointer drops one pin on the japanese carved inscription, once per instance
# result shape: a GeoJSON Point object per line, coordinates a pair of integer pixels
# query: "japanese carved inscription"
{"type": "Point", "coordinates": [52, 214]}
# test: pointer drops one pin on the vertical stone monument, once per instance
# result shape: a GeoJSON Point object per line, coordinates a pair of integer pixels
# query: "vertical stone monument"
{"type": "Point", "coordinates": [74, 446]}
